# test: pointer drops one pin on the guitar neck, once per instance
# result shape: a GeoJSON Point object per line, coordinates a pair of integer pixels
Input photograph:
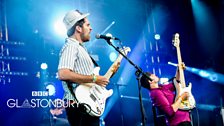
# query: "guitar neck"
{"type": "Point", "coordinates": [181, 71]}
{"type": "Point", "coordinates": [111, 71]}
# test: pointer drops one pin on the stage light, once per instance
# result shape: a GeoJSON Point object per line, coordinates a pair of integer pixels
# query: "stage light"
{"type": "Point", "coordinates": [113, 56]}
{"type": "Point", "coordinates": [157, 36]}
{"type": "Point", "coordinates": [173, 64]}
{"type": "Point", "coordinates": [51, 89]}
{"type": "Point", "coordinates": [36, 31]}
{"type": "Point", "coordinates": [43, 66]}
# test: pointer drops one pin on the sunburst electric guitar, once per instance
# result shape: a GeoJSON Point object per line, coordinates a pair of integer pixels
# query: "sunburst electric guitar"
{"type": "Point", "coordinates": [181, 87]}
{"type": "Point", "coordinates": [94, 96]}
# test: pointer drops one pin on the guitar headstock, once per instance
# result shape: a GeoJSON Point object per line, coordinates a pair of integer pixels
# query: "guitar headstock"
{"type": "Point", "coordinates": [176, 40]}
{"type": "Point", "coordinates": [125, 50]}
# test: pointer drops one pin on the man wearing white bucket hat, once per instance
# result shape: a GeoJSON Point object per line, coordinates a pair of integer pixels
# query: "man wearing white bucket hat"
{"type": "Point", "coordinates": [76, 67]}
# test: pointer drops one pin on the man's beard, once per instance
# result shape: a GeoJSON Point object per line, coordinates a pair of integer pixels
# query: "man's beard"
{"type": "Point", "coordinates": [85, 38]}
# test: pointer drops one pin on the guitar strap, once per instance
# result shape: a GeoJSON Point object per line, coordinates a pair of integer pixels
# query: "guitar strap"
{"type": "Point", "coordinates": [70, 87]}
{"type": "Point", "coordinates": [94, 62]}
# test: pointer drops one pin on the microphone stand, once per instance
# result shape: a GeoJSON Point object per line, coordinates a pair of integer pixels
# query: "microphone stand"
{"type": "Point", "coordinates": [137, 73]}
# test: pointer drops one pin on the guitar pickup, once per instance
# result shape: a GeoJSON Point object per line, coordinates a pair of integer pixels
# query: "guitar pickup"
{"type": "Point", "coordinates": [92, 97]}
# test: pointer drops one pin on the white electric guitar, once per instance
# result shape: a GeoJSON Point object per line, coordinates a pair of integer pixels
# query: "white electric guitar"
{"type": "Point", "coordinates": [181, 87]}
{"type": "Point", "coordinates": [94, 96]}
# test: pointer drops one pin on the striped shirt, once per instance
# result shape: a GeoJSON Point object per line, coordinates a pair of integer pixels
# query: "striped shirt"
{"type": "Point", "coordinates": [75, 57]}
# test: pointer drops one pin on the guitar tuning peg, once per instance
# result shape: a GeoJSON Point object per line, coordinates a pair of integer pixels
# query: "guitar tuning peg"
{"type": "Point", "coordinates": [177, 34]}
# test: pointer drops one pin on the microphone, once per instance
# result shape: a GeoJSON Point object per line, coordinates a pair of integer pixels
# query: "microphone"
{"type": "Point", "coordinates": [106, 37]}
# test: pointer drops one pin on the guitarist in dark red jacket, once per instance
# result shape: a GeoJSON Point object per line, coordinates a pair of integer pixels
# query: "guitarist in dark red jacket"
{"type": "Point", "coordinates": [163, 98]}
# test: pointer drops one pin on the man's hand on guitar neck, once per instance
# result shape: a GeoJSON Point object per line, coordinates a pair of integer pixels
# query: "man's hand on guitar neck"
{"type": "Point", "coordinates": [181, 66]}
{"type": "Point", "coordinates": [115, 69]}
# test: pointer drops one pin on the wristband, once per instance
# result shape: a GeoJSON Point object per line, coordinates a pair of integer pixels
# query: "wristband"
{"type": "Point", "coordinates": [94, 78]}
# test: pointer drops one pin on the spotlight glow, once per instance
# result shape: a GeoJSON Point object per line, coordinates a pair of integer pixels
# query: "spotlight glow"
{"type": "Point", "coordinates": [203, 73]}
{"type": "Point", "coordinates": [213, 77]}
{"type": "Point", "coordinates": [43, 66]}
{"type": "Point", "coordinates": [59, 28]}
{"type": "Point", "coordinates": [113, 56]}
{"type": "Point", "coordinates": [157, 36]}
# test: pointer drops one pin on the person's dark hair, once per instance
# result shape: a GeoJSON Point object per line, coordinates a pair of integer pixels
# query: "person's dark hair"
{"type": "Point", "coordinates": [144, 81]}
{"type": "Point", "coordinates": [71, 31]}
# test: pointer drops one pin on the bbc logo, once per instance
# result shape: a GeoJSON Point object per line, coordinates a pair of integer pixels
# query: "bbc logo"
{"type": "Point", "coordinates": [39, 93]}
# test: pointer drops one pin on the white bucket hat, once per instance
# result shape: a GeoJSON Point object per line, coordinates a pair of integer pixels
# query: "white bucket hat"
{"type": "Point", "coordinates": [72, 17]}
